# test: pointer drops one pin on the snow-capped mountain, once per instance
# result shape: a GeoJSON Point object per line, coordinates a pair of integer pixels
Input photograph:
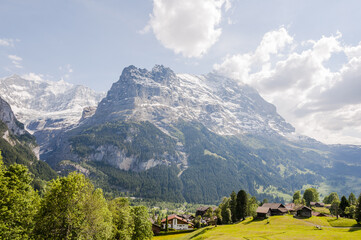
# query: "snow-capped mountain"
{"type": "Point", "coordinates": [42, 104]}
{"type": "Point", "coordinates": [162, 97]}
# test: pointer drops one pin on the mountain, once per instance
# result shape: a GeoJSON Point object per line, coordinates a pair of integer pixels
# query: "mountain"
{"type": "Point", "coordinates": [19, 146]}
{"type": "Point", "coordinates": [181, 137]}
{"type": "Point", "coordinates": [47, 107]}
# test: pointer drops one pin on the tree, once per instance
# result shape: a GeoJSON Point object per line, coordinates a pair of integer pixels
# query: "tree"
{"type": "Point", "coordinates": [358, 210]}
{"type": "Point", "coordinates": [209, 214]}
{"type": "Point", "coordinates": [264, 201]}
{"type": "Point", "coordinates": [232, 206]}
{"type": "Point", "coordinates": [18, 202]}
{"type": "Point", "coordinates": [166, 223]}
{"type": "Point", "coordinates": [252, 206]}
{"type": "Point", "coordinates": [241, 207]}
{"type": "Point", "coordinates": [352, 199]}
{"type": "Point", "coordinates": [122, 218]}
{"type": "Point", "coordinates": [335, 208]}
{"type": "Point", "coordinates": [72, 209]}
{"type": "Point", "coordinates": [218, 214]}
{"type": "Point", "coordinates": [142, 225]}
{"type": "Point", "coordinates": [310, 195]}
{"type": "Point", "coordinates": [343, 205]}
{"type": "Point", "coordinates": [351, 211]}
{"type": "Point", "coordinates": [331, 198]}
{"type": "Point", "coordinates": [196, 221]}
{"type": "Point", "coordinates": [225, 211]}
{"type": "Point", "coordinates": [297, 197]}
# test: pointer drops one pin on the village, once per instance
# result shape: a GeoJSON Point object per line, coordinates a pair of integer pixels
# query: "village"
{"type": "Point", "coordinates": [186, 222]}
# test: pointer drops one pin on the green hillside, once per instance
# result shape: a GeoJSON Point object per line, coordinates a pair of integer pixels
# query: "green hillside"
{"type": "Point", "coordinates": [277, 227]}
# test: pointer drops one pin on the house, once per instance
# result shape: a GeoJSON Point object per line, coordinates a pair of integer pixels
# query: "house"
{"type": "Point", "coordinates": [187, 217]}
{"type": "Point", "coordinates": [202, 210]}
{"type": "Point", "coordinates": [177, 223]}
{"type": "Point", "coordinates": [304, 211]}
{"type": "Point", "coordinates": [156, 229]}
{"type": "Point", "coordinates": [263, 212]}
{"type": "Point", "coordinates": [276, 208]}
{"type": "Point", "coordinates": [318, 214]}
{"type": "Point", "coordinates": [317, 204]}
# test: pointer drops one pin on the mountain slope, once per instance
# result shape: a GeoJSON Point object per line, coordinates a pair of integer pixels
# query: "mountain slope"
{"type": "Point", "coordinates": [179, 137]}
{"type": "Point", "coordinates": [18, 146]}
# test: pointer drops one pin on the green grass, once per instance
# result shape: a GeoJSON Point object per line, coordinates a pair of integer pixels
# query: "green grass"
{"type": "Point", "coordinates": [342, 222]}
{"type": "Point", "coordinates": [322, 210]}
{"type": "Point", "coordinates": [279, 227]}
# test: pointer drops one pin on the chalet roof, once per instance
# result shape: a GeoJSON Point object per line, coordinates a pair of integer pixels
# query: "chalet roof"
{"type": "Point", "coordinates": [303, 207]}
{"type": "Point", "coordinates": [319, 203]}
{"type": "Point", "coordinates": [263, 209]}
{"type": "Point", "coordinates": [283, 210]}
{"type": "Point", "coordinates": [202, 209]}
{"type": "Point", "coordinates": [290, 206]}
{"type": "Point", "coordinates": [170, 217]}
{"type": "Point", "coordinates": [273, 205]}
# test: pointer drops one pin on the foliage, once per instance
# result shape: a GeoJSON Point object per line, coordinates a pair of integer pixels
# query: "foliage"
{"type": "Point", "coordinates": [351, 211]}
{"type": "Point", "coordinates": [310, 195]}
{"type": "Point", "coordinates": [142, 225]}
{"type": "Point", "coordinates": [18, 202]}
{"type": "Point", "coordinates": [296, 197]}
{"type": "Point", "coordinates": [335, 208]}
{"type": "Point", "coordinates": [242, 205]}
{"type": "Point", "coordinates": [122, 218]}
{"type": "Point", "coordinates": [252, 206]}
{"type": "Point", "coordinates": [331, 198]}
{"type": "Point", "coordinates": [358, 210]}
{"type": "Point", "coordinates": [72, 209]}
{"type": "Point", "coordinates": [343, 205]}
{"type": "Point", "coordinates": [352, 199]}
{"type": "Point", "coordinates": [225, 211]}
{"type": "Point", "coordinates": [232, 205]}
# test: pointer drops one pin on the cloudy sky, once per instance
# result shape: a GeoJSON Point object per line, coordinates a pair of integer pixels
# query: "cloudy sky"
{"type": "Point", "coordinates": [304, 56]}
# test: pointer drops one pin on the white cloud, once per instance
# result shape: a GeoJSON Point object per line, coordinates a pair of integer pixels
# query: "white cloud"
{"type": "Point", "coordinates": [6, 42]}
{"type": "Point", "coordinates": [320, 102]}
{"type": "Point", "coordinates": [16, 60]}
{"type": "Point", "coordinates": [187, 27]}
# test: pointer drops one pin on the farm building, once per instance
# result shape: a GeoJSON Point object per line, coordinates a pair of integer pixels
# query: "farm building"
{"type": "Point", "coordinates": [276, 208]}
{"type": "Point", "coordinates": [304, 211]}
{"type": "Point", "coordinates": [263, 212]}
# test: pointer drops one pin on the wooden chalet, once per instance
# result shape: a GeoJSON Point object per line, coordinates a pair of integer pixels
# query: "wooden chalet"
{"type": "Point", "coordinates": [317, 204]}
{"type": "Point", "coordinates": [177, 223]}
{"type": "Point", "coordinates": [156, 229]}
{"type": "Point", "coordinates": [276, 208]}
{"type": "Point", "coordinates": [263, 212]}
{"type": "Point", "coordinates": [202, 210]}
{"type": "Point", "coordinates": [304, 211]}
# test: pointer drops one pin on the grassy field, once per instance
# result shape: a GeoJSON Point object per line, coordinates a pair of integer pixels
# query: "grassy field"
{"type": "Point", "coordinates": [279, 227]}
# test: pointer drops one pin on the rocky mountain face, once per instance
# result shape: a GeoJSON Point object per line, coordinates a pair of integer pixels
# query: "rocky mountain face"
{"type": "Point", "coordinates": [47, 107]}
{"type": "Point", "coordinates": [19, 146]}
{"type": "Point", "coordinates": [162, 97]}
{"type": "Point", "coordinates": [178, 137]}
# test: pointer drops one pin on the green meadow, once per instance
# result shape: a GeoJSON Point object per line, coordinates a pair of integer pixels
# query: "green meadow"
{"type": "Point", "coordinates": [278, 227]}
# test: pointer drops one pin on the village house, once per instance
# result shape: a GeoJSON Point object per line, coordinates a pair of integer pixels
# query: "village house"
{"type": "Point", "coordinates": [276, 208]}
{"type": "Point", "coordinates": [263, 212]}
{"type": "Point", "coordinates": [317, 204]}
{"type": "Point", "coordinates": [304, 211]}
{"type": "Point", "coordinates": [202, 210]}
{"type": "Point", "coordinates": [177, 223]}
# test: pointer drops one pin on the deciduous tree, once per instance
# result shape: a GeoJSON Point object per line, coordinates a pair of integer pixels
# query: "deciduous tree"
{"type": "Point", "coordinates": [72, 209]}
{"type": "Point", "coordinates": [352, 200]}
{"type": "Point", "coordinates": [310, 195]}
{"type": "Point", "coordinates": [142, 225]}
{"type": "Point", "coordinates": [122, 218]}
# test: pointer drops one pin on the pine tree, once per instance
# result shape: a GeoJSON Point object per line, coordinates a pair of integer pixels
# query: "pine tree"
{"type": "Point", "coordinates": [232, 206]}
{"type": "Point", "coordinates": [241, 207]}
{"type": "Point", "coordinates": [343, 205]}
{"type": "Point", "coordinates": [358, 210]}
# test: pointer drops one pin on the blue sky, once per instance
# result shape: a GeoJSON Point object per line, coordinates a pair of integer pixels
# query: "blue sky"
{"type": "Point", "coordinates": [300, 55]}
